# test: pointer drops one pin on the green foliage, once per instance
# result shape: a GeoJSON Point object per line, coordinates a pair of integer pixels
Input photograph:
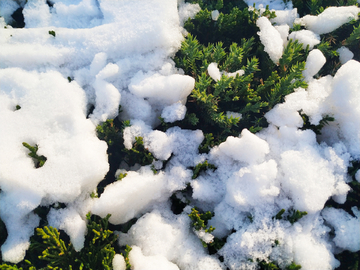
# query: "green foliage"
{"type": "Point", "coordinates": [271, 265]}
{"type": "Point", "coordinates": [126, 257]}
{"type": "Point", "coordinates": [315, 7]}
{"type": "Point", "coordinates": [109, 132]}
{"type": "Point", "coordinates": [121, 176]}
{"type": "Point", "coordinates": [268, 265]}
{"type": "Point", "coordinates": [207, 143]}
{"type": "Point", "coordinates": [3, 232]}
{"type": "Point", "coordinates": [192, 119]}
{"type": "Point", "coordinates": [14, 267]}
{"type": "Point", "coordinates": [55, 251]}
{"type": "Point", "coordinates": [199, 221]}
{"type": "Point", "coordinates": [289, 76]}
{"type": "Point", "coordinates": [235, 22]}
{"type": "Point", "coordinates": [353, 40]}
{"type": "Point", "coordinates": [258, 90]}
{"type": "Point", "coordinates": [232, 43]}
{"type": "Point", "coordinates": [202, 167]}
{"type": "Point", "coordinates": [354, 37]}
{"type": "Point", "coordinates": [316, 128]}
{"type": "Point", "coordinates": [39, 160]}
{"type": "Point", "coordinates": [18, 107]}
{"type": "Point", "coordinates": [279, 214]}
{"type": "Point", "coordinates": [349, 260]}
{"type": "Point", "coordinates": [293, 215]}
{"type": "Point", "coordinates": [138, 153]}
{"type": "Point", "coordinates": [293, 266]}
{"type": "Point", "coordinates": [98, 251]}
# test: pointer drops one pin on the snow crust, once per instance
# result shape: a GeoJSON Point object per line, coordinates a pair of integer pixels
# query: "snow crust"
{"type": "Point", "coordinates": [119, 53]}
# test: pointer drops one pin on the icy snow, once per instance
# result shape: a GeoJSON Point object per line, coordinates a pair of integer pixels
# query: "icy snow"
{"type": "Point", "coordinates": [119, 53]}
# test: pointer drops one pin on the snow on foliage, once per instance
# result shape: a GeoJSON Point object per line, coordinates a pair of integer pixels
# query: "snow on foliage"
{"type": "Point", "coordinates": [79, 54]}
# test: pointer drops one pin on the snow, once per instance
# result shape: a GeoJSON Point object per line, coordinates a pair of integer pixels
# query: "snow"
{"type": "Point", "coordinates": [357, 176]}
{"type": "Point", "coordinates": [174, 112]}
{"type": "Point", "coordinates": [314, 62]}
{"type": "Point", "coordinates": [284, 32]}
{"type": "Point", "coordinates": [53, 116]}
{"type": "Point", "coordinates": [233, 114]}
{"type": "Point", "coordinates": [162, 89]}
{"type": "Point", "coordinates": [71, 222]}
{"type": "Point", "coordinates": [139, 261]}
{"type": "Point", "coordinates": [346, 227]}
{"type": "Point", "coordinates": [120, 198]}
{"type": "Point", "coordinates": [119, 53]}
{"type": "Point", "coordinates": [345, 99]}
{"type": "Point", "coordinates": [306, 37]}
{"type": "Point", "coordinates": [330, 19]}
{"type": "Point", "coordinates": [216, 74]}
{"type": "Point", "coordinates": [118, 262]}
{"type": "Point", "coordinates": [215, 15]}
{"type": "Point", "coordinates": [273, 4]}
{"type": "Point", "coordinates": [286, 16]}
{"type": "Point", "coordinates": [214, 71]}
{"type": "Point", "coordinates": [248, 148]}
{"type": "Point", "coordinates": [270, 38]}
{"type": "Point", "coordinates": [7, 8]}
{"type": "Point", "coordinates": [169, 236]}
{"type": "Point", "coordinates": [345, 54]}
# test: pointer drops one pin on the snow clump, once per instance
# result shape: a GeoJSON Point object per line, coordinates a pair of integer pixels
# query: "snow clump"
{"type": "Point", "coordinates": [330, 19]}
{"type": "Point", "coordinates": [271, 39]}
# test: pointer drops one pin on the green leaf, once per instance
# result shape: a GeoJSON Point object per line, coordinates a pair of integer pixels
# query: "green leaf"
{"type": "Point", "coordinates": [39, 160]}
{"type": "Point", "coordinates": [202, 167]}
